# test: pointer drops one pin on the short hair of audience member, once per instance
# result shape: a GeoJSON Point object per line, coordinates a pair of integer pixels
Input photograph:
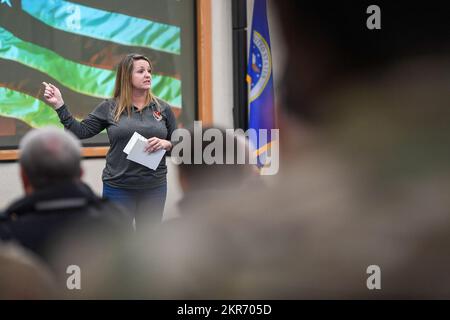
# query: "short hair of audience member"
{"type": "Point", "coordinates": [215, 176]}
{"type": "Point", "coordinates": [50, 155]}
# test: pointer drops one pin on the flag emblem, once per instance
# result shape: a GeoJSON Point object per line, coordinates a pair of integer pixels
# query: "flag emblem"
{"type": "Point", "coordinates": [261, 65]}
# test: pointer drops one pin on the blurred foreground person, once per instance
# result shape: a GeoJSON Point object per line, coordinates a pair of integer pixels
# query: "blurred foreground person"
{"type": "Point", "coordinates": [211, 176]}
{"type": "Point", "coordinates": [360, 208]}
{"type": "Point", "coordinates": [58, 209]}
{"type": "Point", "coordinates": [24, 276]}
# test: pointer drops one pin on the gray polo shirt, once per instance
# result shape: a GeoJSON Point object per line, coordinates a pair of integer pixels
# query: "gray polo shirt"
{"type": "Point", "coordinates": [120, 172]}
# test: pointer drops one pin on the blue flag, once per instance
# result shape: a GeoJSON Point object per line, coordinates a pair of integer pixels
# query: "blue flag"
{"type": "Point", "coordinates": [261, 99]}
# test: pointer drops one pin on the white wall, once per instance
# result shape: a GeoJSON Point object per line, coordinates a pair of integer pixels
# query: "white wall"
{"type": "Point", "coordinates": [222, 63]}
{"type": "Point", "coordinates": [11, 187]}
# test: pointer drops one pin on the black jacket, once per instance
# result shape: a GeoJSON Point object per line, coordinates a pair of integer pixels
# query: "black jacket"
{"type": "Point", "coordinates": [62, 214]}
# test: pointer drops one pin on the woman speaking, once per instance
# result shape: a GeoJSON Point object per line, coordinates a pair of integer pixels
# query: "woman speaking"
{"type": "Point", "coordinates": [133, 108]}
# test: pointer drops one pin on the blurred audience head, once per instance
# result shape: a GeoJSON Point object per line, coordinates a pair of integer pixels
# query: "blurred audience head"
{"type": "Point", "coordinates": [217, 160]}
{"type": "Point", "coordinates": [49, 156]}
{"type": "Point", "coordinates": [24, 276]}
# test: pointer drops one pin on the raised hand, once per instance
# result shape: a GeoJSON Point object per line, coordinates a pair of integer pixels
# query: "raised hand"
{"type": "Point", "coordinates": [53, 96]}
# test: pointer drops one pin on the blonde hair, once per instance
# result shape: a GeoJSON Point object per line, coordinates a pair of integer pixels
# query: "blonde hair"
{"type": "Point", "coordinates": [123, 88]}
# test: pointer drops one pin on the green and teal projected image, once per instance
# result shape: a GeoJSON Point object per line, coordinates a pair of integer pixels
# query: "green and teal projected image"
{"type": "Point", "coordinates": [76, 45]}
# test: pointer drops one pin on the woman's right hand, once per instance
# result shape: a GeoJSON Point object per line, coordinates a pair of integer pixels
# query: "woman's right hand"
{"type": "Point", "coordinates": [53, 95]}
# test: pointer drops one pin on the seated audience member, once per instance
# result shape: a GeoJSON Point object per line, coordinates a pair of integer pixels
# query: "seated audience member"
{"type": "Point", "coordinates": [58, 209]}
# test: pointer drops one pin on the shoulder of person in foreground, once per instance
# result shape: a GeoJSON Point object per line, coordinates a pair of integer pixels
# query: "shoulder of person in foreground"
{"type": "Point", "coordinates": [23, 275]}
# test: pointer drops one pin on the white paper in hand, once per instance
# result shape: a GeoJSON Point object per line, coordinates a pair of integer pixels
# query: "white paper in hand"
{"type": "Point", "coordinates": [150, 160]}
{"type": "Point", "coordinates": [135, 137]}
